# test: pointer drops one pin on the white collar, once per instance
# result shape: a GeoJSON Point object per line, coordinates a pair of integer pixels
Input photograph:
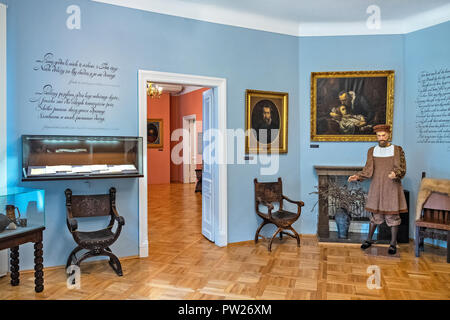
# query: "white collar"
{"type": "Point", "coordinates": [383, 152]}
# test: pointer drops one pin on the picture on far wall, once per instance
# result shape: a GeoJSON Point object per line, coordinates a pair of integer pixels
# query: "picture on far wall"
{"type": "Point", "coordinates": [154, 133]}
{"type": "Point", "coordinates": [345, 106]}
{"type": "Point", "coordinates": [267, 118]}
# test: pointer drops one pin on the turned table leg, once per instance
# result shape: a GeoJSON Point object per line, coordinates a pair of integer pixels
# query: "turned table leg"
{"type": "Point", "coordinates": [14, 255]}
{"type": "Point", "coordinates": [38, 266]}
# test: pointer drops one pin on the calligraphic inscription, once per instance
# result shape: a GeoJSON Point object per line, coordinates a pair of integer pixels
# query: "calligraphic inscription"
{"type": "Point", "coordinates": [78, 91]}
{"type": "Point", "coordinates": [433, 107]}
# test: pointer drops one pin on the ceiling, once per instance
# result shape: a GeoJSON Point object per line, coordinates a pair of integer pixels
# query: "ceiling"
{"type": "Point", "coordinates": [306, 17]}
{"type": "Point", "coordinates": [176, 89]}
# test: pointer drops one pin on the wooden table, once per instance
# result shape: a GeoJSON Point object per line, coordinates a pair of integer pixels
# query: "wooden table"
{"type": "Point", "coordinates": [12, 242]}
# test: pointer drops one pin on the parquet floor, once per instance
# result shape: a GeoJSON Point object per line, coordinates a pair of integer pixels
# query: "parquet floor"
{"type": "Point", "coordinates": [184, 265]}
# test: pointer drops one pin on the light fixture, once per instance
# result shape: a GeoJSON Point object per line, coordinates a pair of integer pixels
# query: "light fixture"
{"type": "Point", "coordinates": [154, 91]}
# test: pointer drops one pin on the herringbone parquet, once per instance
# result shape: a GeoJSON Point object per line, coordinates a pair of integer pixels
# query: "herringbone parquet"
{"type": "Point", "coordinates": [184, 265]}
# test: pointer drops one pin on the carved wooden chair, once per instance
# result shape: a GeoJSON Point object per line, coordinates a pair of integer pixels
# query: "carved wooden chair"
{"type": "Point", "coordinates": [434, 221]}
{"type": "Point", "coordinates": [97, 242]}
{"type": "Point", "coordinates": [267, 193]}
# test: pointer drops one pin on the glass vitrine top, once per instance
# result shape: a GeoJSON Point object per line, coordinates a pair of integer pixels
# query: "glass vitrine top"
{"type": "Point", "coordinates": [80, 157]}
{"type": "Point", "coordinates": [11, 191]}
{"type": "Point", "coordinates": [21, 210]}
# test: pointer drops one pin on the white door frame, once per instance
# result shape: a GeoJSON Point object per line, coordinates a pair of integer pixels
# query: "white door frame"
{"type": "Point", "coordinates": [3, 136]}
{"type": "Point", "coordinates": [3, 124]}
{"type": "Point", "coordinates": [145, 76]}
{"type": "Point", "coordinates": [187, 146]}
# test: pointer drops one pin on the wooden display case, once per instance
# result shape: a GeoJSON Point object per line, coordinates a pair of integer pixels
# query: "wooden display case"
{"type": "Point", "coordinates": [80, 157]}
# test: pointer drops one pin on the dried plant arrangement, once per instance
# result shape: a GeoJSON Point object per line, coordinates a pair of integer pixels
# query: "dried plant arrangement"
{"type": "Point", "coordinates": [342, 196]}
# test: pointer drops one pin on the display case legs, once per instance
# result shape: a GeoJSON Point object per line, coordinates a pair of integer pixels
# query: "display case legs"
{"type": "Point", "coordinates": [38, 267]}
{"type": "Point", "coordinates": [14, 255]}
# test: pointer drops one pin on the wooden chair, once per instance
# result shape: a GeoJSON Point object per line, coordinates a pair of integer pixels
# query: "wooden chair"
{"type": "Point", "coordinates": [265, 194]}
{"type": "Point", "coordinates": [434, 222]}
{"type": "Point", "coordinates": [198, 186]}
{"type": "Point", "coordinates": [97, 242]}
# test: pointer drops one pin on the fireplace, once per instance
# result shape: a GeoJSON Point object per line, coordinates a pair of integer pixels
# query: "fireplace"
{"type": "Point", "coordinates": [326, 226]}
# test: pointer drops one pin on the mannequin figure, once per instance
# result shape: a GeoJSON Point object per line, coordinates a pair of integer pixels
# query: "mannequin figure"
{"type": "Point", "coordinates": [386, 166]}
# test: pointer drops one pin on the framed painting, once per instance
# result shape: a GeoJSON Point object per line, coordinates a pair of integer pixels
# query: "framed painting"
{"type": "Point", "coordinates": [266, 121]}
{"type": "Point", "coordinates": [154, 133]}
{"type": "Point", "coordinates": [345, 106]}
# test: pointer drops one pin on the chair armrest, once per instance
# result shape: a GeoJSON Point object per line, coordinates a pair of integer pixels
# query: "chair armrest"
{"type": "Point", "coordinates": [299, 203]}
{"type": "Point", "coordinates": [72, 224]}
{"type": "Point", "coordinates": [118, 218]}
{"type": "Point", "coordinates": [267, 204]}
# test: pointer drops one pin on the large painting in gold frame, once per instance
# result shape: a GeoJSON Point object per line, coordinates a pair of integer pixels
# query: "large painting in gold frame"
{"type": "Point", "coordinates": [266, 121]}
{"type": "Point", "coordinates": [346, 105]}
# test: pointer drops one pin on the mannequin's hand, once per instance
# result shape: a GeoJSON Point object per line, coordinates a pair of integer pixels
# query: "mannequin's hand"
{"type": "Point", "coordinates": [353, 178]}
{"type": "Point", "coordinates": [392, 175]}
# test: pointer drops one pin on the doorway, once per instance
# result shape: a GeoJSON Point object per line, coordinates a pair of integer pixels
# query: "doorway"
{"type": "Point", "coordinates": [219, 115]}
{"type": "Point", "coordinates": [190, 147]}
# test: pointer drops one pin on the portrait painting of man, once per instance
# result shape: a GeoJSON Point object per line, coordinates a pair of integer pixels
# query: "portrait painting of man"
{"type": "Point", "coordinates": [345, 106]}
{"type": "Point", "coordinates": [266, 120]}
{"type": "Point", "coordinates": [266, 127]}
{"type": "Point", "coordinates": [154, 133]}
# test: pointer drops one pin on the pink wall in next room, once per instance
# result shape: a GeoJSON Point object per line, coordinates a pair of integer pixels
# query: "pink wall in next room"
{"type": "Point", "coordinates": [158, 159]}
{"type": "Point", "coordinates": [180, 106]}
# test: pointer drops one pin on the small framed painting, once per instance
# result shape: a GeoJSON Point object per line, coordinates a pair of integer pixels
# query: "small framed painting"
{"type": "Point", "coordinates": [266, 123]}
{"type": "Point", "coordinates": [154, 133]}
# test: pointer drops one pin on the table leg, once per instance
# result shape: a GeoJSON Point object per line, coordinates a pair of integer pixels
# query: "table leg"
{"type": "Point", "coordinates": [14, 255]}
{"type": "Point", "coordinates": [38, 266]}
{"type": "Point", "coordinates": [448, 246]}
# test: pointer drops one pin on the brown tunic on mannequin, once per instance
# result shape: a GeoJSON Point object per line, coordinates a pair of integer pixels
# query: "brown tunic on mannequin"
{"type": "Point", "coordinates": [385, 195]}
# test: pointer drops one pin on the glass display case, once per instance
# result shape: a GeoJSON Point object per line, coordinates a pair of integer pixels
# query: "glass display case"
{"type": "Point", "coordinates": [21, 210]}
{"type": "Point", "coordinates": [80, 157]}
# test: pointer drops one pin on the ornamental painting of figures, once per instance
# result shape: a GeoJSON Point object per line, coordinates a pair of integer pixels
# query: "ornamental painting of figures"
{"type": "Point", "coordinates": [345, 106]}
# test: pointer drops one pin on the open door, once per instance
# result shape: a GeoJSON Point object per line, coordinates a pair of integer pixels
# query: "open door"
{"type": "Point", "coordinates": [208, 199]}
{"type": "Point", "coordinates": [3, 169]}
{"type": "Point", "coordinates": [192, 151]}
{"type": "Point", "coordinates": [189, 149]}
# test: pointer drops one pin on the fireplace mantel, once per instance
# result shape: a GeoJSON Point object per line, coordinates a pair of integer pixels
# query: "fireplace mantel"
{"type": "Point", "coordinates": [324, 234]}
{"type": "Point", "coordinates": [337, 170]}
{"type": "Point", "coordinates": [324, 173]}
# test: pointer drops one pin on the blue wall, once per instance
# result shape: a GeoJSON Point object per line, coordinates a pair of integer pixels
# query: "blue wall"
{"type": "Point", "coordinates": [134, 40]}
{"type": "Point", "coordinates": [248, 59]}
{"type": "Point", "coordinates": [342, 53]}
{"type": "Point", "coordinates": [425, 50]}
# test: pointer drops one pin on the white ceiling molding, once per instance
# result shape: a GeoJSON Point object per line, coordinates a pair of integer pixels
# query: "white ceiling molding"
{"type": "Point", "coordinates": [175, 89]}
{"type": "Point", "coordinates": [427, 19]}
{"type": "Point", "coordinates": [240, 18]}
{"type": "Point", "coordinates": [188, 89]}
{"type": "Point", "coordinates": [169, 87]}
{"type": "Point", "coordinates": [347, 29]}
{"type": "Point", "coordinates": [210, 13]}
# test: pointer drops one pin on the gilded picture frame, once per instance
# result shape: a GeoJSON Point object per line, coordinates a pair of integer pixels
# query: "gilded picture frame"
{"type": "Point", "coordinates": [266, 122]}
{"type": "Point", "coordinates": [155, 131]}
{"type": "Point", "coordinates": [346, 105]}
